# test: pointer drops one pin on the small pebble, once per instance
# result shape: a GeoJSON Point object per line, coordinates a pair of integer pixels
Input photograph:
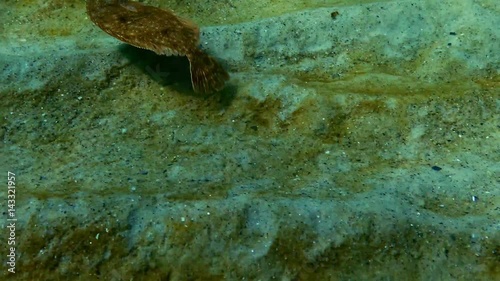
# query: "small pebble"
{"type": "Point", "coordinates": [436, 168]}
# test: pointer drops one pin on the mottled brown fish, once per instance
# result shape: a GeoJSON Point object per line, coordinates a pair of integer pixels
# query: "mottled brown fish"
{"type": "Point", "coordinates": [161, 31]}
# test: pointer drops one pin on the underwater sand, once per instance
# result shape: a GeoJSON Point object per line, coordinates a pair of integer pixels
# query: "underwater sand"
{"type": "Point", "coordinates": [364, 146]}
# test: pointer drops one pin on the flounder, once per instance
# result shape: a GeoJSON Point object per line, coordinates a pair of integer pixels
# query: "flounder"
{"type": "Point", "coordinates": [162, 32]}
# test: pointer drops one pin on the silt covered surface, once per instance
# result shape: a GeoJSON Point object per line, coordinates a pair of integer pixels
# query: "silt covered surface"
{"type": "Point", "coordinates": [363, 145]}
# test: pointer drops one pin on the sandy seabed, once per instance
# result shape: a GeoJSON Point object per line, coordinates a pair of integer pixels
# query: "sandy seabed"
{"type": "Point", "coordinates": [353, 142]}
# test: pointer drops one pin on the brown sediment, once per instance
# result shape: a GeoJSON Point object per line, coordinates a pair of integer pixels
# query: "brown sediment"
{"type": "Point", "coordinates": [162, 32]}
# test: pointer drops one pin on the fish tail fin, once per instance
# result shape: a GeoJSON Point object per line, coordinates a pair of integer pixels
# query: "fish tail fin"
{"type": "Point", "coordinates": [207, 75]}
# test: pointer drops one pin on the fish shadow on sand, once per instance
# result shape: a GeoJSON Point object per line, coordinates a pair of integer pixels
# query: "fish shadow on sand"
{"type": "Point", "coordinates": [170, 71]}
